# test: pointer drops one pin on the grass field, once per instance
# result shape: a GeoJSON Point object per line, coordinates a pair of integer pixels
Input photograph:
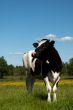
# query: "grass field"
{"type": "Point", "coordinates": [13, 96]}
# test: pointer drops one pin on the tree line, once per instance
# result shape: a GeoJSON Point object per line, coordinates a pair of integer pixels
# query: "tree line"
{"type": "Point", "coordinates": [11, 70]}
{"type": "Point", "coordinates": [68, 68]}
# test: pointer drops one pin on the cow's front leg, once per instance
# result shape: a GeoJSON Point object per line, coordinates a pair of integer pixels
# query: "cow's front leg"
{"type": "Point", "coordinates": [54, 92]}
{"type": "Point", "coordinates": [54, 89]}
{"type": "Point", "coordinates": [48, 87]}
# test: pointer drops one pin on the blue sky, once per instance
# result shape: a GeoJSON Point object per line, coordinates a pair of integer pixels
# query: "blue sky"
{"type": "Point", "coordinates": [22, 22]}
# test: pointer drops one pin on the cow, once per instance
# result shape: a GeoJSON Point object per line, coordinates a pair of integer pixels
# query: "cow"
{"type": "Point", "coordinates": [45, 60]}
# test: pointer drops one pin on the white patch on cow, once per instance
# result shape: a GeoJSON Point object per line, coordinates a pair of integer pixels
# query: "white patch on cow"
{"type": "Point", "coordinates": [54, 88]}
{"type": "Point", "coordinates": [33, 64]}
{"type": "Point", "coordinates": [55, 75]}
{"type": "Point", "coordinates": [47, 62]}
{"type": "Point", "coordinates": [41, 42]}
{"type": "Point", "coordinates": [48, 87]}
{"type": "Point", "coordinates": [30, 58]}
{"type": "Point", "coordinates": [27, 59]}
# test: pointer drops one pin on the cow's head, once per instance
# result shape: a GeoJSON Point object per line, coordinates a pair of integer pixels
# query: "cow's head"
{"type": "Point", "coordinates": [41, 48]}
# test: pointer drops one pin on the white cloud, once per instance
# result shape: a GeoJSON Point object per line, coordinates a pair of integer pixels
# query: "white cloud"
{"type": "Point", "coordinates": [16, 53]}
{"type": "Point", "coordinates": [66, 38]}
{"type": "Point", "coordinates": [60, 39]}
{"type": "Point", "coordinates": [51, 36]}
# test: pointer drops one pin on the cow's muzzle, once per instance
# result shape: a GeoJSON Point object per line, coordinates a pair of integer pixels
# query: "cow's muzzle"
{"type": "Point", "coordinates": [33, 54]}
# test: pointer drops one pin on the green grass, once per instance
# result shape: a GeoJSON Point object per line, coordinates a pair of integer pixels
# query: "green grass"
{"type": "Point", "coordinates": [17, 98]}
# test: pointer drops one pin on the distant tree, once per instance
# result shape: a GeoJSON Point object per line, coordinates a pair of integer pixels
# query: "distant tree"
{"type": "Point", "coordinates": [70, 67]}
{"type": "Point", "coordinates": [3, 67]}
{"type": "Point", "coordinates": [19, 70]}
{"type": "Point", "coordinates": [65, 69]}
{"type": "Point", "coordinates": [11, 70]}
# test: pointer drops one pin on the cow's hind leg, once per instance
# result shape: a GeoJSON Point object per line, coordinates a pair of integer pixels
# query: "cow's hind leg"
{"type": "Point", "coordinates": [48, 87]}
{"type": "Point", "coordinates": [29, 82]}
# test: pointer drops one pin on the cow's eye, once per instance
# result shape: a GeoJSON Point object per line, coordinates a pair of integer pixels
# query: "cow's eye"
{"type": "Point", "coordinates": [36, 49]}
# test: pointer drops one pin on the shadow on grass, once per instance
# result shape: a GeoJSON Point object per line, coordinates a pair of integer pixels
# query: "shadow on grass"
{"type": "Point", "coordinates": [40, 96]}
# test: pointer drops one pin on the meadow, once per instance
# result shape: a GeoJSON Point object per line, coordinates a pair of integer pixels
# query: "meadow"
{"type": "Point", "coordinates": [14, 96]}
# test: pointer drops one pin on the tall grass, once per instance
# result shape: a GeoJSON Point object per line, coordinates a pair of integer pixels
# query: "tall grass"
{"type": "Point", "coordinates": [17, 98]}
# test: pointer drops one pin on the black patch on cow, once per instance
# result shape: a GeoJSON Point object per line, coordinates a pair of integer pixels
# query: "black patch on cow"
{"type": "Point", "coordinates": [37, 67]}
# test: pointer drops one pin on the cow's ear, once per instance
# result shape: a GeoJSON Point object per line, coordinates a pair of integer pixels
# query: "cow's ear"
{"type": "Point", "coordinates": [52, 43]}
{"type": "Point", "coordinates": [35, 45]}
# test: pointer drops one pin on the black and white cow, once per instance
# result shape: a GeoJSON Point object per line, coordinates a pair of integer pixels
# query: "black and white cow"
{"type": "Point", "coordinates": [45, 60]}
